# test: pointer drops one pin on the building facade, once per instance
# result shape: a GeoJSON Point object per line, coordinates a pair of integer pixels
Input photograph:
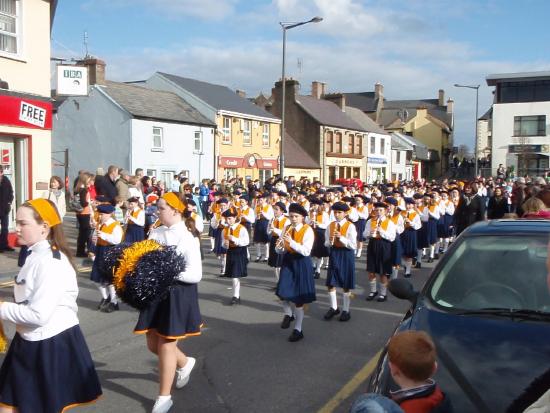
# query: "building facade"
{"type": "Point", "coordinates": [521, 114]}
{"type": "Point", "coordinates": [25, 103]}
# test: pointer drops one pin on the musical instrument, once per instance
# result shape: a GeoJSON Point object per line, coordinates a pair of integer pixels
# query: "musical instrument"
{"type": "Point", "coordinates": [280, 244]}
{"type": "Point", "coordinates": [333, 235]}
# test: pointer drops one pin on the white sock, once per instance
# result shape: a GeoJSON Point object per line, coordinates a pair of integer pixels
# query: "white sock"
{"type": "Point", "coordinates": [373, 286]}
{"type": "Point", "coordinates": [346, 300]}
{"type": "Point", "coordinates": [359, 251]}
{"type": "Point", "coordinates": [299, 318]}
{"type": "Point", "coordinates": [112, 294]}
{"type": "Point", "coordinates": [317, 264]}
{"type": "Point", "coordinates": [103, 291]}
{"type": "Point", "coordinates": [419, 256]}
{"type": "Point", "coordinates": [236, 287]}
{"type": "Point", "coordinates": [408, 265]}
{"type": "Point", "coordinates": [287, 309]}
{"type": "Point", "coordinates": [223, 259]}
{"type": "Point", "coordinates": [445, 244]}
{"type": "Point", "coordinates": [437, 245]}
{"type": "Point", "coordinates": [247, 254]}
{"type": "Point", "coordinates": [266, 251]}
{"type": "Point", "coordinates": [333, 301]}
{"type": "Point", "coordinates": [258, 250]}
{"type": "Point", "coordinates": [277, 272]}
{"type": "Point", "coordinates": [163, 398]}
{"type": "Point", "coordinates": [212, 243]}
{"type": "Point", "coordinates": [432, 247]}
{"type": "Point", "coordinates": [383, 289]}
{"type": "Point", "coordinates": [394, 272]}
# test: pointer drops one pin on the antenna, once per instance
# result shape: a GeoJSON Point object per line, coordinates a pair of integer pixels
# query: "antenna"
{"type": "Point", "coordinates": [86, 43]}
{"type": "Point", "coordinates": [300, 65]}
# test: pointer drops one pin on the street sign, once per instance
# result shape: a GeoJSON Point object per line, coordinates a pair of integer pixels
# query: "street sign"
{"type": "Point", "coordinates": [72, 80]}
{"type": "Point", "coordinates": [528, 148]}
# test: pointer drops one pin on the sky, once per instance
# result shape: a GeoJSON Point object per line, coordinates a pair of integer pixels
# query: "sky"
{"type": "Point", "coordinates": [412, 47]}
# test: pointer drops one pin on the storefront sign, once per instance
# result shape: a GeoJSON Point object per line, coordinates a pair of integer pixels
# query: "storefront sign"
{"type": "Point", "coordinates": [528, 148]}
{"type": "Point", "coordinates": [72, 80]}
{"type": "Point", "coordinates": [381, 161]}
{"type": "Point", "coordinates": [27, 113]}
{"type": "Point", "coordinates": [268, 164]}
{"type": "Point", "coordinates": [5, 160]}
{"type": "Point", "coordinates": [344, 162]}
{"type": "Point", "coordinates": [231, 162]}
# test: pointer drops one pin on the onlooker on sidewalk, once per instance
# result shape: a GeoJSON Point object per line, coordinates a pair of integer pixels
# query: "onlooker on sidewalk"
{"type": "Point", "coordinates": [105, 185]}
{"type": "Point", "coordinates": [6, 199]}
{"type": "Point", "coordinates": [56, 194]}
{"type": "Point", "coordinates": [83, 217]}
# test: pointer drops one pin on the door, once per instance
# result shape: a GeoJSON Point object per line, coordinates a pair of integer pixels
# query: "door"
{"type": "Point", "coordinates": [7, 159]}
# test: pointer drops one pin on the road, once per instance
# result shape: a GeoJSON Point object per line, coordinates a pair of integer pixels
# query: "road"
{"type": "Point", "coordinates": [244, 361]}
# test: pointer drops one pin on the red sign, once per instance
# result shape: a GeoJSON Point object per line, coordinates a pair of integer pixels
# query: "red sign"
{"type": "Point", "coordinates": [5, 157]}
{"type": "Point", "coordinates": [268, 164]}
{"type": "Point", "coordinates": [26, 113]}
{"type": "Point", "coordinates": [231, 162]}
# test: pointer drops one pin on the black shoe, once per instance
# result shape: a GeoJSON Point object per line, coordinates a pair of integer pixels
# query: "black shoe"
{"type": "Point", "coordinates": [371, 296]}
{"type": "Point", "coordinates": [418, 265]}
{"type": "Point", "coordinates": [295, 336]}
{"type": "Point", "coordinates": [436, 256]}
{"type": "Point", "coordinates": [407, 275]}
{"type": "Point", "coordinates": [430, 260]}
{"type": "Point", "coordinates": [81, 255]}
{"type": "Point", "coordinates": [345, 316]}
{"type": "Point", "coordinates": [317, 275]}
{"type": "Point", "coordinates": [264, 260]}
{"type": "Point", "coordinates": [109, 308]}
{"type": "Point", "coordinates": [331, 313]}
{"type": "Point", "coordinates": [286, 321]}
{"type": "Point", "coordinates": [235, 300]}
{"type": "Point", "coordinates": [103, 303]}
{"type": "Point", "coordinates": [414, 262]}
{"type": "Point", "coordinates": [381, 298]}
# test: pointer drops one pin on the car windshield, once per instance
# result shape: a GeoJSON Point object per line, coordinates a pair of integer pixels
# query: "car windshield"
{"type": "Point", "coordinates": [489, 272]}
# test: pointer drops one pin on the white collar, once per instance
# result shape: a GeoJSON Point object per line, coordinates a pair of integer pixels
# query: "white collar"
{"type": "Point", "coordinates": [40, 246]}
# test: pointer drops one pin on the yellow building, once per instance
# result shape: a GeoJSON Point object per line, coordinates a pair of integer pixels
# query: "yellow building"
{"type": "Point", "coordinates": [25, 103]}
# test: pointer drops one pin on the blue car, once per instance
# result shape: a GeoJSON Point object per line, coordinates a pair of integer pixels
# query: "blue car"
{"type": "Point", "coordinates": [486, 306]}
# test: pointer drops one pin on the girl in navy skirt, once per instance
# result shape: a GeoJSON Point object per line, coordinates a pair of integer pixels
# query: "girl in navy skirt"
{"type": "Point", "coordinates": [296, 284]}
{"type": "Point", "coordinates": [341, 238]}
{"type": "Point", "coordinates": [177, 316]}
{"type": "Point", "coordinates": [412, 224]}
{"type": "Point", "coordinates": [246, 217]}
{"type": "Point", "coordinates": [135, 222]}
{"type": "Point", "coordinates": [318, 220]}
{"type": "Point", "coordinates": [449, 211]}
{"type": "Point", "coordinates": [277, 227]}
{"type": "Point", "coordinates": [396, 249]}
{"type": "Point", "coordinates": [363, 214]}
{"type": "Point", "coordinates": [236, 242]}
{"type": "Point", "coordinates": [48, 366]}
{"type": "Point", "coordinates": [218, 223]}
{"type": "Point", "coordinates": [431, 211]}
{"type": "Point", "coordinates": [422, 234]}
{"type": "Point", "coordinates": [264, 214]}
{"type": "Point", "coordinates": [108, 233]}
{"type": "Point", "coordinates": [381, 232]}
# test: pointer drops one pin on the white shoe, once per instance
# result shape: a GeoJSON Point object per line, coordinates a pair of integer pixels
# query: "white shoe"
{"type": "Point", "coordinates": [184, 373]}
{"type": "Point", "coordinates": [162, 406]}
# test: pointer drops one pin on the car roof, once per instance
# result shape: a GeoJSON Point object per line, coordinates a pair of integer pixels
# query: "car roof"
{"type": "Point", "coordinates": [509, 227]}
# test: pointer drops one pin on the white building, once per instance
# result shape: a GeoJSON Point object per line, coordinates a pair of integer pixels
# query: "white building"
{"type": "Point", "coordinates": [521, 112]}
{"type": "Point", "coordinates": [401, 159]}
{"type": "Point", "coordinates": [378, 157]}
{"type": "Point", "coordinates": [134, 127]}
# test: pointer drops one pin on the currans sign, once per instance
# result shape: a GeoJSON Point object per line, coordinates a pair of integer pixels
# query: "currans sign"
{"type": "Point", "coordinates": [72, 80]}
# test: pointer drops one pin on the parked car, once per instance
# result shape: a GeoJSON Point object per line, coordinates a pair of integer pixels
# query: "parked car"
{"type": "Point", "coordinates": [487, 307]}
{"type": "Point", "coordinates": [349, 182]}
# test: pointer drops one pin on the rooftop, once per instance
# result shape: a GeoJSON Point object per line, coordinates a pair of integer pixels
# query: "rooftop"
{"type": "Point", "coordinates": [327, 113]}
{"type": "Point", "coordinates": [493, 79]}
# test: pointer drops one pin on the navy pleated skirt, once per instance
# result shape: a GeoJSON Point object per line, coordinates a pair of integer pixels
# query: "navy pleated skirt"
{"type": "Point", "coordinates": [260, 231]}
{"type": "Point", "coordinates": [236, 262]}
{"type": "Point", "coordinates": [49, 375]}
{"type": "Point", "coordinates": [379, 256]}
{"type": "Point", "coordinates": [319, 250]}
{"type": "Point", "coordinates": [396, 250]}
{"type": "Point", "coordinates": [96, 275]}
{"type": "Point", "coordinates": [275, 260]}
{"type": "Point", "coordinates": [431, 231]}
{"type": "Point", "coordinates": [341, 268]}
{"type": "Point", "coordinates": [176, 316]}
{"type": "Point", "coordinates": [296, 282]}
{"type": "Point", "coordinates": [422, 236]}
{"type": "Point", "coordinates": [448, 223]}
{"type": "Point", "coordinates": [409, 243]}
{"type": "Point", "coordinates": [217, 233]}
{"type": "Point", "coordinates": [360, 225]}
{"type": "Point", "coordinates": [134, 233]}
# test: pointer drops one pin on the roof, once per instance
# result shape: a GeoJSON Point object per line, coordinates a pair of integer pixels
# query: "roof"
{"type": "Point", "coordinates": [509, 227]}
{"type": "Point", "coordinates": [400, 144]}
{"type": "Point", "coordinates": [147, 103]}
{"type": "Point", "coordinates": [366, 101]}
{"type": "Point", "coordinates": [493, 79]}
{"type": "Point", "coordinates": [364, 120]}
{"type": "Point", "coordinates": [296, 156]}
{"type": "Point", "coordinates": [421, 151]}
{"type": "Point", "coordinates": [432, 105]}
{"type": "Point", "coordinates": [327, 113]}
{"type": "Point", "coordinates": [487, 115]}
{"type": "Point", "coordinates": [218, 96]}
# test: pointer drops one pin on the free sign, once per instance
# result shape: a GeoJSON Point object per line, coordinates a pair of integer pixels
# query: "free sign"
{"type": "Point", "coordinates": [32, 114]}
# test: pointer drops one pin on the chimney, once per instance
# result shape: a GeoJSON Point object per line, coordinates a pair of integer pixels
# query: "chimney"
{"type": "Point", "coordinates": [292, 90]}
{"type": "Point", "coordinates": [338, 98]}
{"type": "Point", "coordinates": [96, 70]}
{"type": "Point", "coordinates": [318, 89]}
{"type": "Point", "coordinates": [450, 105]}
{"type": "Point", "coordinates": [441, 97]}
{"type": "Point", "coordinates": [241, 93]}
{"type": "Point", "coordinates": [378, 91]}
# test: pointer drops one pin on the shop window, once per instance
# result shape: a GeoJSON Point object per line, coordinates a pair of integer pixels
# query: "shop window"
{"type": "Point", "coordinates": [265, 174]}
{"type": "Point", "coordinates": [229, 173]}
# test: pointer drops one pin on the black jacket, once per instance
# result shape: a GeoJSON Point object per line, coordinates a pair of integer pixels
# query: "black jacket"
{"type": "Point", "coordinates": [105, 186]}
{"type": "Point", "coordinates": [468, 212]}
{"type": "Point", "coordinates": [6, 195]}
{"type": "Point", "coordinates": [497, 207]}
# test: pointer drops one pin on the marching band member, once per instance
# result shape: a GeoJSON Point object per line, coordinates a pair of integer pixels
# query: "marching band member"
{"type": "Point", "coordinates": [318, 220]}
{"type": "Point", "coordinates": [448, 218]}
{"type": "Point", "coordinates": [246, 214]}
{"type": "Point", "coordinates": [412, 224]}
{"type": "Point", "coordinates": [394, 214]}
{"type": "Point", "coordinates": [422, 234]}
{"type": "Point", "coordinates": [341, 238]}
{"type": "Point", "coordinates": [213, 208]}
{"type": "Point", "coordinates": [192, 213]}
{"type": "Point", "coordinates": [362, 216]}
{"type": "Point", "coordinates": [431, 211]}
{"type": "Point", "coordinates": [236, 241]}
{"type": "Point", "coordinates": [218, 223]}
{"type": "Point", "coordinates": [135, 221]}
{"type": "Point", "coordinates": [264, 213]}
{"type": "Point", "coordinates": [296, 284]}
{"type": "Point", "coordinates": [302, 200]}
{"type": "Point", "coordinates": [381, 232]}
{"type": "Point", "coordinates": [278, 226]}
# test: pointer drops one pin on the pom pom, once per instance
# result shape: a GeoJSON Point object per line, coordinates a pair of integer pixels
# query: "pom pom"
{"type": "Point", "coordinates": [112, 254]}
{"type": "Point", "coordinates": [3, 339]}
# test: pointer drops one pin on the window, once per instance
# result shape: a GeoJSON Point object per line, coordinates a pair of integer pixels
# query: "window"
{"type": "Point", "coordinates": [372, 145]}
{"type": "Point", "coordinates": [530, 125]}
{"type": "Point", "coordinates": [397, 156]}
{"type": "Point", "coordinates": [229, 173]}
{"type": "Point", "coordinates": [265, 135]}
{"type": "Point", "coordinates": [265, 174]}
{"type": "Point", "coordinates": [197, 148]}
{"type": "Point", "coordinates": [167, 177]}
{"type": "Point", "coordinates": [338, 146]}
{"type": "Point", "coordinates": [351, 143]}
{"type": "Point", "coordinates": [358, 145]}
{"type": "Point", "coordinates": [9, 26]}
{"type": "Point", "coordinates": [226, 130]}
{"type": "Point", "coordinates": [529, 91]}
{"type": "Point", "coordinates": [157, 138]}
{"type": "Point", "coordinates": [330, 142]}
{"type": "Point", "coordinates": [152, 172]}
{"type": "Point", "coordinates": [382, 146]}
{"type": "Point", "coordinates": [247, 137]}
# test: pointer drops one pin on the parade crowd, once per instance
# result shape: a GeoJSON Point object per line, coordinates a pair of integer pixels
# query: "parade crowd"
{"type": "Point", "coordinates": [298, 227]}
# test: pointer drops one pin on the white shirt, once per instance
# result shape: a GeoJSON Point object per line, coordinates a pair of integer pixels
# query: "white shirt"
{"type": "Point", "coordinates": [186, 244]}
{"type": "Point", "coordinates": [250, 216]}
{"type": "Point", "coordinates": [115, 237]}
{"type": "Point", "coordinates": [242, 240]}
{"type": "Point", "coordinates": [416, 224]}
{"type": "Point", "coordinates": [45, 293]}
{"type": "Point", "coordinates": [140, 220]}
{"type": "Point", "coordinates": [276, 231]}
{"type": "Point", "coordinates": [349, 239]}
{"type": "Point", "coordinates": [199, 223]}
{"type": "Point", "coordinates": [389, 234]}
{"type": "Point", "coordinates": [324, 222]}
{"type": "Point", "coordinates": [307, 244]}
{"type": "Point", "coordinates": [353, 215]}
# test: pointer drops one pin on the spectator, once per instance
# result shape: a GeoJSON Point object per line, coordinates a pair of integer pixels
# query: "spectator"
{"type": "Point", "coordinates": [106, 185]}
{"type": "Point", "coordinates": [56, 194]}
{"type": "Point", "coordinates": [84, 217]}
{"type": "Point", "coordinates": [6, 200]}
{"type": "Point", "coordinates": [175, 184]}
{"type": "Point", "coordinates": [498, 205]}
{"type": "Point", "coordinates": [501, 172]}
{"type": "Point", "coordinates": [534, 208]}
{"type": "Point", "coordinates": [123, 185]}
{"type": "Point", "coordinates": [204, 191]}
{"type": "Point", "coordinates": [470, 209]}
{"type": "Point", "coordinates": [134, 191]}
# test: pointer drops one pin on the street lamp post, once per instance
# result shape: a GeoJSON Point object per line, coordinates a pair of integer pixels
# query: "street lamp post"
{"type": "Point", "coordinates": [476, 87]}
{"type": "Point", "coordinates": [287, 26]}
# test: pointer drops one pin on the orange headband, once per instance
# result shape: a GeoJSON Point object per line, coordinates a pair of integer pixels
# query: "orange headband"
{"type": "Point", "coordinates": [173, 200]}
{"type": "Point", "coordinates": [47, 211]}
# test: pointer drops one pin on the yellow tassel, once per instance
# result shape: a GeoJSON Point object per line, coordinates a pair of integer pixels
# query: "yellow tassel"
{"type": "Point", "coordinates": [130, 258]}
{"type": "Point", "coordinates": [3, 339]}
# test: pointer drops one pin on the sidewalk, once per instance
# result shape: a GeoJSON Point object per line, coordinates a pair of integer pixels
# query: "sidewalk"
{"type": "Point", "coordinates": [8, 260]}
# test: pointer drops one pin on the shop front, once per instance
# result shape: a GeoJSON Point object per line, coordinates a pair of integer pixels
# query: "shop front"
{"type": "Point", "coordinates": [377, 169]}
{"type": "Point", "coordinates": [25, 145]}
{"type": "Point", "coordinates": [250, 166]}
{"type": "Point", "coordinates": [530, 159]}
{"type": "Point", "coordinates": [343, 168]}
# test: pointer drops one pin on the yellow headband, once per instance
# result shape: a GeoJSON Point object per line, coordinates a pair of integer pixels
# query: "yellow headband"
{"type": "Point", "coordinates": [173, 200]}
{"type": "Point", "coordinates": [47, 211]}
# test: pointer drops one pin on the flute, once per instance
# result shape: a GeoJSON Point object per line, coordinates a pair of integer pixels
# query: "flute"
{"type": "Point", "coordinates": [280, 244]}
{"type": "Point", "coordinates": [333, 237]}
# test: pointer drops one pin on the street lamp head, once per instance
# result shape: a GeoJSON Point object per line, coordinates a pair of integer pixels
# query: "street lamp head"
{"type": "Point", "coordinates": [316, 19]}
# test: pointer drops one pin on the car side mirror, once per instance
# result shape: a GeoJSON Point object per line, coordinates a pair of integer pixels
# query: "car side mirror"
{"type": "Point", "coordinates": [403, 289]}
